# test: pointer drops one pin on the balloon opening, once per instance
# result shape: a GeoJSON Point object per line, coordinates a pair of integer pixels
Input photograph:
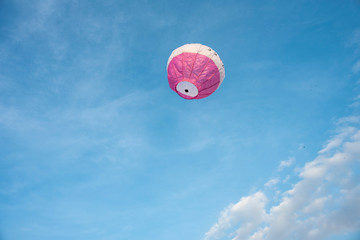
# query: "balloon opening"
{"type": "Point", "coordinates": [187, 89]}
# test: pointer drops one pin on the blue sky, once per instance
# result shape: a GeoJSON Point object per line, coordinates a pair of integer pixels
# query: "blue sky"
{"type": "Point", "coordinates": [95, 145]}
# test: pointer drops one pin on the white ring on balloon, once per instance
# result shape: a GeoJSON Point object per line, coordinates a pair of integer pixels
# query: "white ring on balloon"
{"type": "Point", "coordinates": [187, 88]}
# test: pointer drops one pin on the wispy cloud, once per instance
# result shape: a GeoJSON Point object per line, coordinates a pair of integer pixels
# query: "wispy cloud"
{"type": "Point", "coordinates": [356, 67]}
{"type": "Point", "coordinates": [271, 182]}
{"type": "Point", "coordinates": [286, 163]}
{"type": "Point", "coordinates": [322, 203]}
{"type": "Point", "coordinates": [338, 139]}
{"type": "Point", "coordinates": [355, 39]}
{"type": "Point", "coordinates": [112, 130]}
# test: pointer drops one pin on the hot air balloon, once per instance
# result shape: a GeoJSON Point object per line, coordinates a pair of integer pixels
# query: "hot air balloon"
{"type": "Point", "coordinates": [195, 71]}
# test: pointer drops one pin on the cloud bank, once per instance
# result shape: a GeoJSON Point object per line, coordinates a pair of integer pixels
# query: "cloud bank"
{"type": "Point", "coordinates": [322, 203]}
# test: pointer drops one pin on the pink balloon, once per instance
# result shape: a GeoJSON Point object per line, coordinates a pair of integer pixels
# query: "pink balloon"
{"type": "Point", "coordinates": [195, 71]}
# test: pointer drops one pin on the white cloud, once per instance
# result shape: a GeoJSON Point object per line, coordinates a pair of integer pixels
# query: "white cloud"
{"type": "Point", "coordinates": [317, 205]}
{"type": "Point", "coordinates": [338, 139]}
{"type": "Point", "coordinates": [249, 211]}
{"type": "Point", "coordinates": [286, 179]}
{"type": "Point", "coordinates": [287, 163]}
{"type": "Point", "coordinates": [322, 203]}
{"type": "Point", "coordinates": [271, 182]}
{"type": "Point", "coordinates": [351, 119]}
